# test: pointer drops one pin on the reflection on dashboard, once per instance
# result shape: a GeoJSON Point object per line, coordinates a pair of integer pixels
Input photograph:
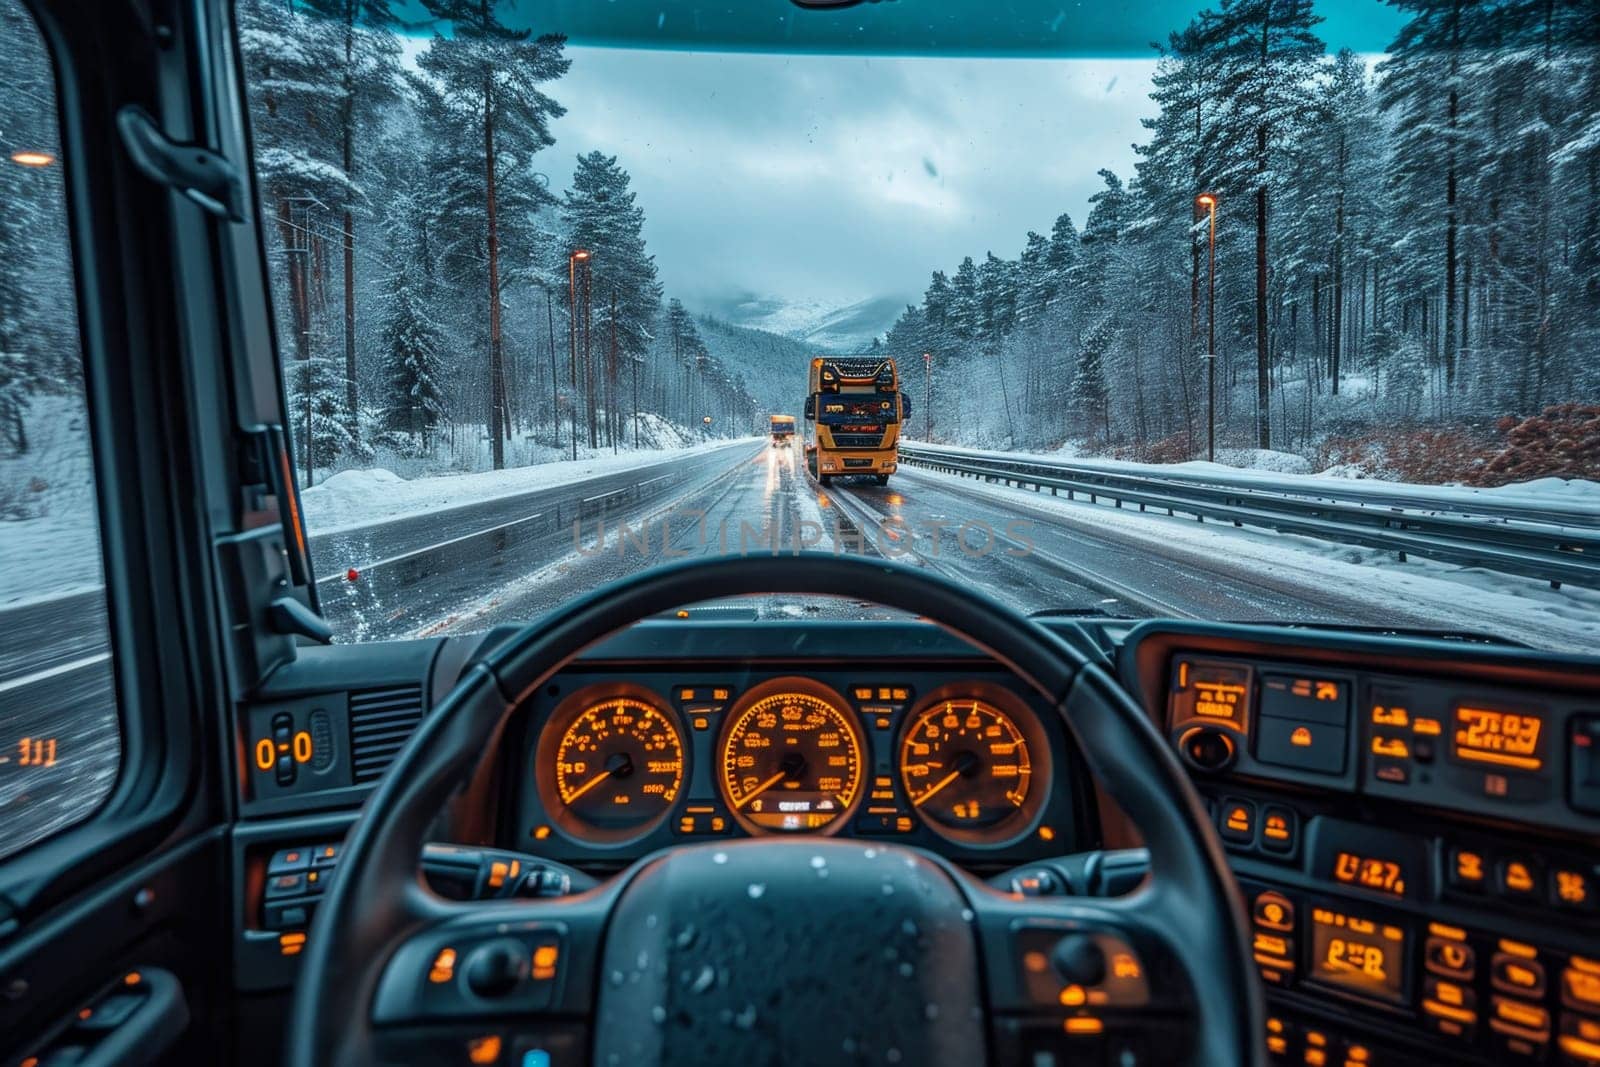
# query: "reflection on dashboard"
{"type": "Point", "coordinates": [791, 760]}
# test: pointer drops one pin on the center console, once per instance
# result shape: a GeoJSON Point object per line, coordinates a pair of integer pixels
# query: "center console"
{"type": "Point", "coordinates": [1416, 844]}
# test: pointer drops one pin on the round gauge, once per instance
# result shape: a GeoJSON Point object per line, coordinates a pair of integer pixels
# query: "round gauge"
{"type": "Point", "coordinates": [968, 767]}
{"type": "Point", "coordinates": [792, 759]}
{"type": "Point", "coordinates": [610, 766]}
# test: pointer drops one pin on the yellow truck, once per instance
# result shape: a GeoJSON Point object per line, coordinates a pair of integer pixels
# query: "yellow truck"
{"type": "Point", "coordinates": [853, 414]}
{"type": "Point", "coordinates": [782, 430]}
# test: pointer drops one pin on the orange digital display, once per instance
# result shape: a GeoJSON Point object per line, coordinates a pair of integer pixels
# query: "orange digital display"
{"type": "Point", "coordinates": [1500, 738]}
{"type": "Point", "coordinates": [1358, 955]}
{"type": "Point", "coordinates": [1369, 872]}
{"type": "Point", "coordinates": [1209, 689]}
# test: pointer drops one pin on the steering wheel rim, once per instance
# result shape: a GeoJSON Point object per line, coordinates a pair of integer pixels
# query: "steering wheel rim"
{"type": "Point", "coordinates": [377, 903]}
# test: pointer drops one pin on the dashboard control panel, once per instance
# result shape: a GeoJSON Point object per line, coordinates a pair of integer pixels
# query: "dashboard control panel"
{"type": "Point", "coordinates": [1441, 742]}
{"type": "Point", "coordinates": [1416, 848]}
{"type": "Point", "coordinates": [963, 764]}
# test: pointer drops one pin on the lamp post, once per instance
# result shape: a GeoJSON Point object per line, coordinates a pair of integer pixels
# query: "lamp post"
{"type": "Point", "coordinates": [927, 396]}
{"type": "Point", "coordinates": [1208, 203]}
{"type": "Point", "coordinates": [572, 338]}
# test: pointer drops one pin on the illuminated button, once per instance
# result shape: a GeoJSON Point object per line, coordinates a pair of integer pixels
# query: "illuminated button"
{"type": "Point", "coordinates": [1236, 819]}
{"type": "Point", "coordinates": [1466, 870]}
{"type": "Point", "coordinates": [1394, 772]}
{"type": "Point", "coordinates": [1391, 747]}
{"type": "Point", "coordinates": [1427, 727]}
{"type": "Point", "coordinates": [1278, 825]}
{"type": "Point", "coordinates": [1273, 911]}
{"type": "Point", "coordinates": [286, 885]}
{"type": "Point", "coordinates": [1530, 1017]}
{"type": "Point", "coordinates": [1571, 888]}
{"type": "Point", "coordinates": [1580, 984]}
{"type": "Point", "coordinates": [1453, 959]}
{"type": "Point", "coordinates": [1515, 974]}
{"type": "Point", "coordinates": [289, 859]}
{"type": "Point", "coordinates": [484, 1049]}
{"type": "Point", "coordinates": [1580, 1040]}
{"type": "Point", "coordinates": [444, 967]}
{"type": "Point", "coordinates": [1515, 878]}
{"type": "Point", "coordinates": [325, 855]}
{"type": "Point", "coordinates": [1301, 744]}
{"type": "Point", "coordinates": [863, 692]}
{"type": "Point", "coordinates": [1452, 994]}
{"type": "Point", "coordinates": [1388, 715]}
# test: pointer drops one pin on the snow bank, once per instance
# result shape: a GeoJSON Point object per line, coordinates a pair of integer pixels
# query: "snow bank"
{"type": "Point", "coordinates": [1539, 494]}
{"type": "Point", "coordinates": [54, 547]}
{"type": "Point", "coordinates": [355, 498]}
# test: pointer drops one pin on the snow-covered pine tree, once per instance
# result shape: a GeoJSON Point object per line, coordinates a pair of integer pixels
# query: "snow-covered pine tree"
{"type": "Point", "coordinates": [489, 79]}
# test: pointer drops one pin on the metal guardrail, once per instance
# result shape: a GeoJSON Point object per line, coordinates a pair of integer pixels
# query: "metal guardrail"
{"type": "Point", "coordinates": [1556, 552]}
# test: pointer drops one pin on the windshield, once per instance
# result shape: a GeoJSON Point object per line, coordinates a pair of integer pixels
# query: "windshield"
{"type": "Point", "coordinates": [1289, 317]}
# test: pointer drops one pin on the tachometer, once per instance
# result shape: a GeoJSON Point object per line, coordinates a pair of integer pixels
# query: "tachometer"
{"type": "Point", "coordinates": [792, 759]}
{"type": "Point", "coordinates": [610, 768]}
{"type": "Point", "coordinates": [966, 766]}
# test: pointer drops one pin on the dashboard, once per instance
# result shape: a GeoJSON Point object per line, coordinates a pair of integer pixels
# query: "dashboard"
{"type": "Point", "coordinates": [961, 762]}
{"type": "Point", "coordinates": [1413, 822]}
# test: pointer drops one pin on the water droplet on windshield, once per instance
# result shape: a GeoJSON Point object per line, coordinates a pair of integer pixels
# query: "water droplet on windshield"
{"type": "Point", "coordinates": [908, 928]}
{"type": "Point", "coordinates": [906, 970]}
{"type": "Point", "coordinates": [719, 857]}
{"type": "Point", "coordinates": [966, 915]}
{"type": "Point", "coordinates": [893, 1055]}
{"type": "Point", "coordinates": [746, 1018]}
{"type": "Point", "coordinates": [888, 890]}
{"type": "Point", "coordinates": [703, 980]}
{"type": "Point", "coordinates": [849, 1044]}
{"type": "Point", "coordinates": [659, 1014]}
{"type": "Point", "coordinates": [930, 1012]}
{"type": "Point", "coordinates": [818, 862]}
{"type": "Point", "coordinates": [617, 977]}
{"type": "Point", "coordinates": [756, 889]}
{"type": "Point", "coordinates": [685, 937]}
{"type": "Point", "coordinates": [871, 853]}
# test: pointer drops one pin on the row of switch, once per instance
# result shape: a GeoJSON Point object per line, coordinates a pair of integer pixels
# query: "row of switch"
{"type": "Point", "coordinates": [1519, 1010]}
{"type": "Point", "coordinates": [1522, 878]}
{"type": "Point", "coordinates": [1244, 825]}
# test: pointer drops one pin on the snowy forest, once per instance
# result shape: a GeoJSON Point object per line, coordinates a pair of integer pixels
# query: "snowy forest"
{"type": "Point", "coordinates": [429, 283]}
{"type": "Point", "coordinates": [1407, 259]}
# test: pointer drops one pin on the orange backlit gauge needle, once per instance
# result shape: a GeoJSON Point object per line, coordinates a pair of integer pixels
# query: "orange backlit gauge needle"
{"type": "Point", "coordinates": [590, 784]}
{"type": "Point", "coordinates": [940, 784]}
{"type": "Point", "coordinates": [762, 788]}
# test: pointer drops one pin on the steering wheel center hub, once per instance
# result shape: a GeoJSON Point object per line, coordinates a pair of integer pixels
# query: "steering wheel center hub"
{"type": "Point", "coordinates": [827, 950]}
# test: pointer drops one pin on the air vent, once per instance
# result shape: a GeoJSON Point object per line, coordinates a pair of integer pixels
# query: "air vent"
{"type": "Point", "coordinates": [380, 722]}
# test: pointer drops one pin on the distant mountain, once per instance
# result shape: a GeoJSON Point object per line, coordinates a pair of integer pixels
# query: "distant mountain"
{"type": "Point", "coordinates": [825, 327]}
{"type": "Point", "coordinates": [773, 367]}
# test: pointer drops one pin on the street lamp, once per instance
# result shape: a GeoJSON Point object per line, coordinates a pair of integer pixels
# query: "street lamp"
{"type": "Point", "coordinates": [927, 394]}
{"type": "Point", "coordinates": [572, 337]}
{"type": "Point", "coordinates": [1208, 202]}
{"type": "Point", "coordinates": [31, 158]}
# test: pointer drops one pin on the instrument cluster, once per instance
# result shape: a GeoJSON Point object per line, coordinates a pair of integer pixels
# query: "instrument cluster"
{"type": "Point", "coordinates": [968, 766]}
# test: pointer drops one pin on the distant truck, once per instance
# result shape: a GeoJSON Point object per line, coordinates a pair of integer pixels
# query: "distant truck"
{"type": "Point", "coordinates": [782, 430]}
{"type": "Point", "coordinates": [854, 411]}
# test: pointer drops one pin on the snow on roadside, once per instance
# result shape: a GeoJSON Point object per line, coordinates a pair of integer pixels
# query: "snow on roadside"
{"type": "Point", "coordinates": [1449, 597]}
{"type": "Point", "coordinates": [1276, 468]}
{"type": "Point", "coordinates": [55, 551]}
{"type": "Point", "coordinates": [355, 498]}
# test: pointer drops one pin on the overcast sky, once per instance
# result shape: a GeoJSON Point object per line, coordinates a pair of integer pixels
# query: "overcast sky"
{"type": "Point", "coordinates": [836, 178]}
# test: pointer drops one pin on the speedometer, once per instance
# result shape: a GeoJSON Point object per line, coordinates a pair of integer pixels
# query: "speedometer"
{"type": "Point", "coordinates": [792, 759]}
{"type": "Point", "coordinates": [610, 766]}
{"type": "Point", "coordinates": [970, 765]}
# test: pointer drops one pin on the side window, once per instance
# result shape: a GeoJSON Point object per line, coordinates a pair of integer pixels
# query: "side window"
{"type": "Point", "coordinates": [60, 739]}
